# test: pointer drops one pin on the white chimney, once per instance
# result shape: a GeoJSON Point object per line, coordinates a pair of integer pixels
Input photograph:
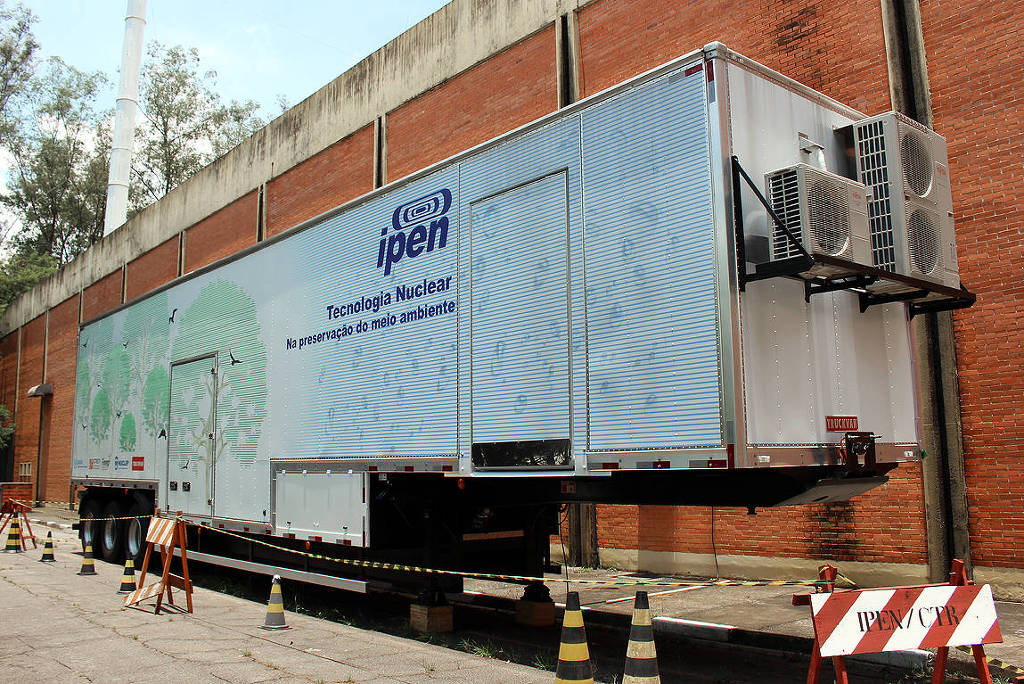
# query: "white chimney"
{"type": "Point", "coordinates": [124, 119]}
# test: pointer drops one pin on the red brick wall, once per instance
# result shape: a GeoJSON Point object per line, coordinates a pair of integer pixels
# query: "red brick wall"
{"type": "Point", "coordinates": [8, 391]}
{"type": "Point", "coordinates": [976, 68]}
{"type": "Point", "coordinates": [835, 47]}
{"type": "Point", "coordinates": [886, 524]}
{"type": "Point", "coordinates": [507, 90]}
{"type": "Point", "coordinates": [222, 233]}
{"type": "Point", "coordinates": [102, 296]}
{"type": "Point", "coordinates": [26, 422]}
{"type": "Point", "coordinates": [152, 269]}
{"type": "Point", "coordinates": [9, 371]}
{"type": "Point", "coordinates": [61, 362]}
{"type": "Point", "coordinates": [341, 172]}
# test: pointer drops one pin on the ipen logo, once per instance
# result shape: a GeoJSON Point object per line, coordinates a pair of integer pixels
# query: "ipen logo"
{"type": "Point", "coordinates": [416, 228]}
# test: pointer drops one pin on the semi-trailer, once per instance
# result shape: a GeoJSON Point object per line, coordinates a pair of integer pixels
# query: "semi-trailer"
{"type": "Point", "coordinates": [686, 289]}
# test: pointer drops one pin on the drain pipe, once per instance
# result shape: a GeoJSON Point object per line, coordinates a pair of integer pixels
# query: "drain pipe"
{"type": "Point", "coordinates": [124, 119]}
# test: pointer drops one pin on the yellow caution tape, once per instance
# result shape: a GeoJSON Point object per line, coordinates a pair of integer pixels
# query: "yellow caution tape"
{"type": "Point", "coordinates": [994, 662]}
{"type": "Point", "coordinates": [378, 565]}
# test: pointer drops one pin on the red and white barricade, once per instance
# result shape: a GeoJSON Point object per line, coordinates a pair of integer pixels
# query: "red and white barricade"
{"type": "Point", "coordinates": [960, 613]}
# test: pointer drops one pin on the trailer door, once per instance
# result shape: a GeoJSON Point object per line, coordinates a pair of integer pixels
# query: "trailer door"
{"type": "Point", "coordinates": [192, 435]}
{"type": "Point", "coordinates": [519, 326]}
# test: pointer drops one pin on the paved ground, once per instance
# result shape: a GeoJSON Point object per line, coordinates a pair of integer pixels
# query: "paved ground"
{"type": "Point", "coordinates": [58, 626]}
{"type": "Point", "coordinates": [73, 626]}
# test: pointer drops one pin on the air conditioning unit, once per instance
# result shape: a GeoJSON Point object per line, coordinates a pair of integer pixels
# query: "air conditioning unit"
{"type": "Point", "coordinates": [827, 213]}
{"type": "Point", "coordinates": [905, 168]}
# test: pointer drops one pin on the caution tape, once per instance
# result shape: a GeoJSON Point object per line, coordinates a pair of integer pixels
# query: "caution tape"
{"type": "Point", "coordinates": [121, 517]}
{"type": "Point", "coordinates": [379, 565]}
{"type": "Point", "coordinates": [994, 662]}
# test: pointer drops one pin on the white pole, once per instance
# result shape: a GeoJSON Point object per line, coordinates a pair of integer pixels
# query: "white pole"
{"type": "Point", "coordinates": [124, 119]}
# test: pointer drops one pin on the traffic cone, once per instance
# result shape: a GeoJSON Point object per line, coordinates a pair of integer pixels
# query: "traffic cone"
{"type": "Point", "coordinates": [14, 536]}
{"type": "Point", "coordinates": [128, 578]}
{"type": "Point", "coordinates": [88, 567]}
{"type": "Point", "coordinates": [573, 655]}
{"type": "Point", "coordinates": [48, 550]}
{"type": "Point", "coordinates": [641, 658]}
{"type": "Point", "coordinates": [275, 607]}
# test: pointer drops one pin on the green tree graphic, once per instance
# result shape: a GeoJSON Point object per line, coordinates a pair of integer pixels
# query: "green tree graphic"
{"type": "Point", "coordinates": [92, 404]}
{"type": "Point", "coordinates": [146, 343]}
{"type": "Point", "coordinates": [222, 319]}
{"type": "Point", "coordinates": [101, 415]}
{"type": "Point", "coordinates": [127, 440]}
{"type": "Point", "coordinates": [154, 401]}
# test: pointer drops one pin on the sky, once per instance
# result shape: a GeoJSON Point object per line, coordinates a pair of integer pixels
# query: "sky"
{"type": "Point", "coordinates": [260, 49]}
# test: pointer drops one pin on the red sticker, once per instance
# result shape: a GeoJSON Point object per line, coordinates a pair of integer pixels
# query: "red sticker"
{"type": "Point", "coordinates": [138, 462]}
{"type": "Point", "coordinates": [841, 423]}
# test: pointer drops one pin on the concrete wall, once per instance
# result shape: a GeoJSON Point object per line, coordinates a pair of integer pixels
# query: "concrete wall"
{"type": "Point", "coordinates": [478, 68]}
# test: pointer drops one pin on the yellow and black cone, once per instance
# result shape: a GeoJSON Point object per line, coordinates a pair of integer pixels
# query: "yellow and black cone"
{"type": "Point", "coordinates": [573, 655]}
{"type": "Point", "coordinates": [14, 537]}
{"type": "Point", "coordinates": [641, 658]}
{"type": "Point", "coordinates": [275, 607]}
{"type": "Point", "coordinates": [88, 567]}
{"type": "Point", "coordinates": [128, 578]}
{"type": "Point", "coordinates": [48, 550]}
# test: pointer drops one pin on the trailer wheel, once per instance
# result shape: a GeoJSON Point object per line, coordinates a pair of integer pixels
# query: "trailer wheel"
{"type": "Point", "coordinates": [135, 533]}
{"type": "Point", "coordinates": [112, 533]}
{"type": "Point", "coordinates": [89, 531]}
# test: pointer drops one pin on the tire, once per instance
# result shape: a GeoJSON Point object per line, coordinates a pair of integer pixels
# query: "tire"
{"type": "Point", "coordinates": [89, 532]}
{"type": "Point", "coordinates": [112, 532]}
{"type": "Point", "coordinates": [135, 533]}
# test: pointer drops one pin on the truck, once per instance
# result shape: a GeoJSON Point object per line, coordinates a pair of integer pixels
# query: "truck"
{"type": "Point", "coordinates": [671, 292]}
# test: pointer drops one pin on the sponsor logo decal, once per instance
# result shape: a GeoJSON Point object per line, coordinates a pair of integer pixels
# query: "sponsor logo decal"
{"type": "Point", "coordinates": [138, 462]}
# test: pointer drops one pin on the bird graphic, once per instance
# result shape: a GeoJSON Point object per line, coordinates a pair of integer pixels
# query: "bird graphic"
{"type": "Point", "coordinates": [84, 425]}
{"type": "Point", "coordinates": [171, 319]}
{"type": "Point", "coordinates": [163, 433]}
{"type": "Point", "coordinates": [125, 344]}
{"type": "Point", "coordinates": [118, 414]}
{"type": "Point", "coordinates": [85, 344]}
{"type": "Point", "coordinates": [233, 359]}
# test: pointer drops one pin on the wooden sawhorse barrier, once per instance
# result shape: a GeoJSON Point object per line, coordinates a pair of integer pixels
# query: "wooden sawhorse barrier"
{"type": "Point", "coordinates": [15, 509]}
{"type": "Point", "coordinates": [958, 613]}
{"type": "Point", "coordinates": [165, 533]}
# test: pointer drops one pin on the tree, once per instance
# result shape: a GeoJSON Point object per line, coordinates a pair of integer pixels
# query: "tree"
{"type": "Point", "coordinates": [20, 272]}
{"type": "Point", "coordinates": [60, 165]}
{"type": "Point", "coordinates": [17, 59]}
{"type": "Point", "coordinates": [184, 125]}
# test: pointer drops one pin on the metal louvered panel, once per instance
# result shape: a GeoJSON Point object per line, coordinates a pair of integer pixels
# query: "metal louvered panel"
{"type": "Point", "coordinates": [784, 196]}
{"type": "Point", "coordinates": [874, 173]}
{"type": "Point", "coordinates": [521, 206]}
{"type": "Point", "coordinates": [652, 336]}
{"type": "Point", "coordinates": [520, 354]}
